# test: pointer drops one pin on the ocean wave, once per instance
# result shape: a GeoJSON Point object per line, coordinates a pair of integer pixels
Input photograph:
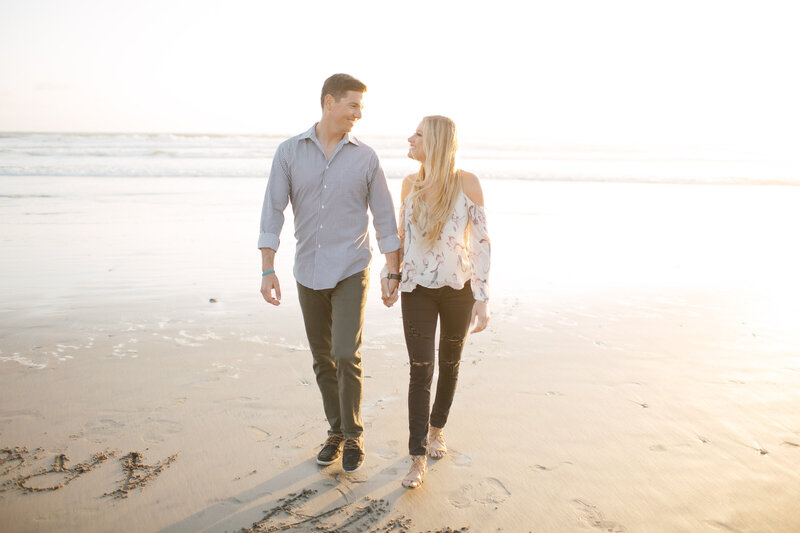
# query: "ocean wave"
{"type": "Point", "coordinates": [140, 153]}
{"type": "Point", "coordinates": [250, 156]}
{"type": "Point", "coordinates": [132, 173]}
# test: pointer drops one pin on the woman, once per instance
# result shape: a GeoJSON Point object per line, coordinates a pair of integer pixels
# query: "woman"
{"type": "Point", "coordinates": [445, 272]}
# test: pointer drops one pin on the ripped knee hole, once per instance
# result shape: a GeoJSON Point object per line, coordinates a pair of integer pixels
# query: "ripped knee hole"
{"type": "Point", "coordinates": [457, 340]}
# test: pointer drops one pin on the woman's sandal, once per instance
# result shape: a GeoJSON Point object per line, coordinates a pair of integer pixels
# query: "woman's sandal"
{"type": "Point", "coordinates": [419, 466]}
{"type": "Point", "coordinates": [437, 448]}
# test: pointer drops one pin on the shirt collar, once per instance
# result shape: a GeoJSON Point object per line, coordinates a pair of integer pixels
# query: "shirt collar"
{"type": "Point", "coordinates": [311, 133]}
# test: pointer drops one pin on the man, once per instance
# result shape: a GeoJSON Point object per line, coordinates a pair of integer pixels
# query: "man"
{"type": "Point", "coordinates": [331, 178]}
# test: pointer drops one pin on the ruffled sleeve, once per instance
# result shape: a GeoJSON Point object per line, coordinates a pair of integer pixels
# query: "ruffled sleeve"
{"type": "Point", "coordinates": [480, 249]}
{"type": "Point", "coordinates": [401, 223]}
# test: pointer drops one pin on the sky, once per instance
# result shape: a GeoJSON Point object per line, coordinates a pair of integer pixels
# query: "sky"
{"type": "Point", "coordinates": [699, 73]}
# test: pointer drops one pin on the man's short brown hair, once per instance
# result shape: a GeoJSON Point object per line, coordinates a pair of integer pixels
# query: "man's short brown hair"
{"type": "Point", "coordinates": [338, 85]}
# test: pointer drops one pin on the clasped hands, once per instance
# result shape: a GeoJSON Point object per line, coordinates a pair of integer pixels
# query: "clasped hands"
{"type": "Point", "coordinates": [479, 318]}
{"type": "Point", "coordinates": [390, 291]}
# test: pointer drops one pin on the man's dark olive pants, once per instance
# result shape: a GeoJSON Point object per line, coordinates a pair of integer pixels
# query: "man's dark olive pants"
{"type": "Point", "coordinates": [334, 320]}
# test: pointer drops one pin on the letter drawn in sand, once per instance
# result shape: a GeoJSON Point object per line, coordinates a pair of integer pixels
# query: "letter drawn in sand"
{"type": "Point", "coordinates": [137, 474]}
{"type": "Point", "coordinates": [363, 515]}
{"type": "Point", "coordinates": [59, 466]}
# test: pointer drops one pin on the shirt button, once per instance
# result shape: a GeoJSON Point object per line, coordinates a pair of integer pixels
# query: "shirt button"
{"type": "Point", "coordinates": [319, 246]}
{"type": "Point", "coordinates": [323, 207]}
{"type": "Point", "coordinates": [320, 227]}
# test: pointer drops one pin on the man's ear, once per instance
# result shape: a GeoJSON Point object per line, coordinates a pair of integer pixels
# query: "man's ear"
{"type": "Point", "coordinates": [328, 102]}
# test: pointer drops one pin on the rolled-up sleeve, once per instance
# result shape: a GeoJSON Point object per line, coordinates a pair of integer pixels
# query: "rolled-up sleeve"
{"type": "Point", "coordinates": [382, 208]}
{"type": "Point", "coordinates": [276, 198]}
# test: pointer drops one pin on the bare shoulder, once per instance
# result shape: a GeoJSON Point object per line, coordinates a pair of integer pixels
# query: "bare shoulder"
{"type": "Point", "coordinates": [408, 183]}
{"type": "Point", "coordinates": [472, 187]}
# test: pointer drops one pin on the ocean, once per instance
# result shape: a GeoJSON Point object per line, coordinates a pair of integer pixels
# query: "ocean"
{"type": "Point", "coordinates": [94, 227]}
{"type": "Point", "coordinates": [112, 218]}
{"type": "Point", "coordinates": [249, 156]}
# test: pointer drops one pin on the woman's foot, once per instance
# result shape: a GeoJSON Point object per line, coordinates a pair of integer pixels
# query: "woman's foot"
{"type": "Point", "coordinates": [419, 465]}
{"type": "Point", "coordinates": [436, 445]}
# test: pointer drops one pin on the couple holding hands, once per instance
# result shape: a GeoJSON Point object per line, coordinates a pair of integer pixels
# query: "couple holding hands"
{"type": "Point", "coordinates": [437, 264]}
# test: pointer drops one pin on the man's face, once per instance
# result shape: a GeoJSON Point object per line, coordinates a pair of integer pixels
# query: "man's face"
{"type": "Point", "coordinates": [346, 111]}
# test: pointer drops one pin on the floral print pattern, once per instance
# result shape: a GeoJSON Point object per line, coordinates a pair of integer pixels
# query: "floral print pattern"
{"type": "Point", "coordinates": [462, 253]}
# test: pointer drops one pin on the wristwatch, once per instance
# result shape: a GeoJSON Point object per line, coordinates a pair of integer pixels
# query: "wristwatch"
{"type": "Point", "coordinates": [398, 277]}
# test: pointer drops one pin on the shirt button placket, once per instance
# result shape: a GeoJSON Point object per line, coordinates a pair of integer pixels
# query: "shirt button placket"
{"type": "Point", "coordinates": [319, 233]}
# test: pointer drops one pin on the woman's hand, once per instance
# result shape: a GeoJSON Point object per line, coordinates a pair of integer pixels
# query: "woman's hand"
{"type": "Point", "coordinates": [480, 316]}
{"type": "Point", "coordinates": [389, 292]}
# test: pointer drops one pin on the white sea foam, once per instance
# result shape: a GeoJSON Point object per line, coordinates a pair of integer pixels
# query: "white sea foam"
{"type": "Point", "coordinates": [24, 361]}
{"type": "Point", "coordinates": [172, 155]}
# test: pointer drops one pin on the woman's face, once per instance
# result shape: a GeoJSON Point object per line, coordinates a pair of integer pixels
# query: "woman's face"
{"type": "Point", "coordinates": [416, 151]}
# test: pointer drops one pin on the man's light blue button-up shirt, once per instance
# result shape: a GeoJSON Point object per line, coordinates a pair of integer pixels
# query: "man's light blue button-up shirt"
{"type": "Point", "coordinates": [329, 199]}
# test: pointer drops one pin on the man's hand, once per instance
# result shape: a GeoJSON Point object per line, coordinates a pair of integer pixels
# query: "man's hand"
{"type": "Point", "coordinates": [389, 291]}
{"type": "Point", "coordinates": [480, 316]}
{"type": "Point", "coordinates": [269, 283]}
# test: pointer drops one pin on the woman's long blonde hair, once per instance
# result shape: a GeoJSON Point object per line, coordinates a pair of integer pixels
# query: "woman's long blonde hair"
{"type": "Point", "coordinates": [437, 174]}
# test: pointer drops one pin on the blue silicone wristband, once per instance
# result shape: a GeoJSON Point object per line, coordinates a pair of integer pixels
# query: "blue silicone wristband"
{"type": "Point", "coordinates": [267, 272]}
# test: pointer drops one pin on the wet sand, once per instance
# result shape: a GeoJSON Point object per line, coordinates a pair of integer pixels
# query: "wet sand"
{"type": "Point", "coordinates": [627, 381]}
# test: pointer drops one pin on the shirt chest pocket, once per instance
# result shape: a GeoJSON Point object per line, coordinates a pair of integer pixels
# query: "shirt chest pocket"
{"type": "Point", "coordinates": [352, 188]}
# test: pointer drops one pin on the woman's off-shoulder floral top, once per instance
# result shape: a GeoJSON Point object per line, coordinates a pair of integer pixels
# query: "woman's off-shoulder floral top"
{"type": "Point", "coordinates": [462, 252]}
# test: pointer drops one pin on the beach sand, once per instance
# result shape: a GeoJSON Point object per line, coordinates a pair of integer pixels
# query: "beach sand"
{"type": "Point", "coordinates": [641, 371]}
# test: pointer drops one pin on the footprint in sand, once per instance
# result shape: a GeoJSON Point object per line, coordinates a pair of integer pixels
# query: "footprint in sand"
{"type": "Point", "coordinates": [258, 434]}
{"type": "Point", "coordinates": [716, 525]}
{"type": "Point", "coordinates": [381, 403]}
{"type": "Point", "coordinates": [387, 450]}
{"type": "Point", "coordinates": [591, 514]}
{"type": "Point", "coordinates": [543, 468]}
{"type": "Point", "coordinates": [391, 471]}
{"type": "Point", "coordinates": [487, 491]}
{"type": "Point", "coordinates": [24, 416]}
{"type": "Point", "coordinates": [460, 459]}
{"type": "Point", "coordinates": [159, 430]}
{"type": "Point", "coordinates": [100, 430]}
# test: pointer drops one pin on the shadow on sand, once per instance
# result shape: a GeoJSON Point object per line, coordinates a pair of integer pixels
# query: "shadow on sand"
{"type": "Point", "coordinates": [322, 500]}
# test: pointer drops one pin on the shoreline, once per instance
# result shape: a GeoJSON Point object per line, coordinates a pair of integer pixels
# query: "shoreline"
{"type": "Point", "coordinates": [640, 371]}
{"type": "Point", "coordinates": [625, 405]}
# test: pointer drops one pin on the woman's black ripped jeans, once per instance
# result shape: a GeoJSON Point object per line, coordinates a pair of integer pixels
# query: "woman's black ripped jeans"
{"type": "Point", "coordinates": [422, 308]}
